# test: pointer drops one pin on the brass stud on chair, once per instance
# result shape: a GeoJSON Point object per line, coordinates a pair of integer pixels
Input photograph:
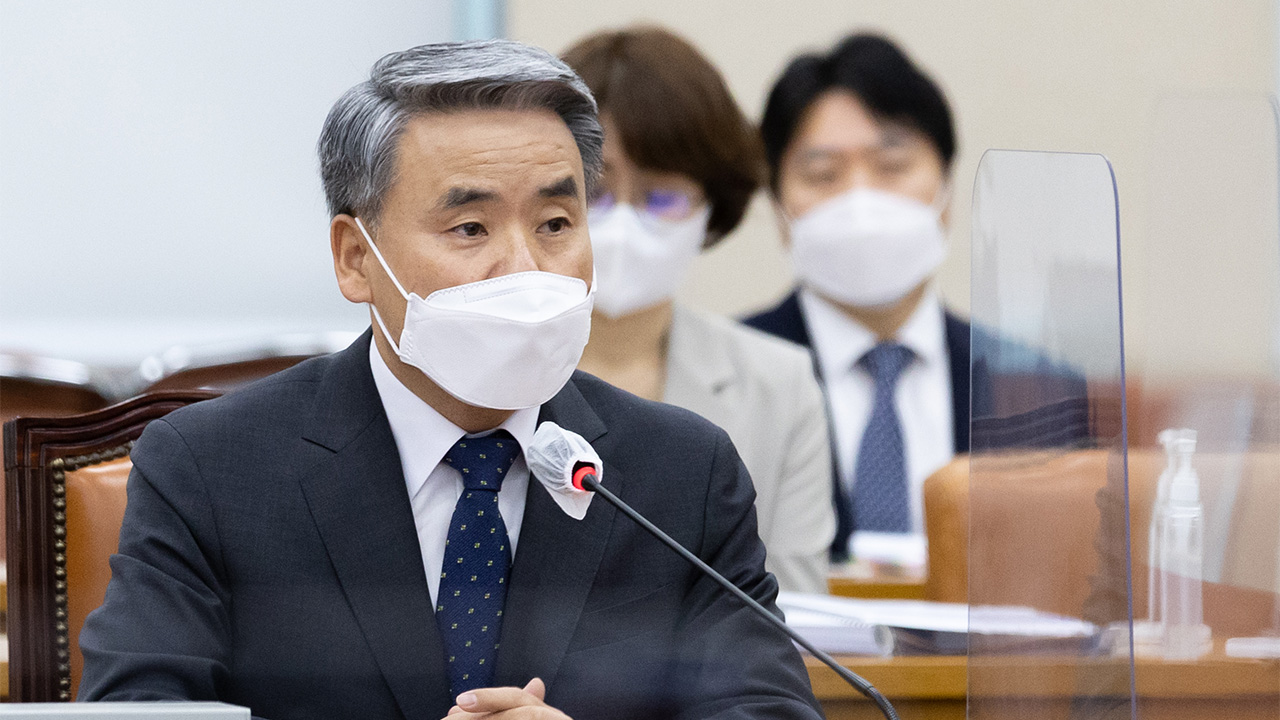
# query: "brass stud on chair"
{"type": "Point", "coordinates": [62, 628]}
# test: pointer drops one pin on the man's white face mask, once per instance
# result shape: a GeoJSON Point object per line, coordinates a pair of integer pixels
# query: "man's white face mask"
{"type": "Point", "coordinates": [867, 248]}
{"type": "Point", "coordinates": [641, 259]}
{"type": "Point", "coordinates": [505, 343]}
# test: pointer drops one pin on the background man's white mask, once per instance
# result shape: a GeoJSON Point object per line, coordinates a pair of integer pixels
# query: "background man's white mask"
{"type": "Point", "coordinates": [867, 247]}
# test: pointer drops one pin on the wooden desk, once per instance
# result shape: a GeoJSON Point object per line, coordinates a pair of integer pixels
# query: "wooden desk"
{"type": "Point", "coordinates": [863, 580]}
{"type": "Point", "coordinates": [877, 588]}
{"type": "Point", "coordinates": [934, 688]}
{"type": "Point", "coordinates": [920, 688]}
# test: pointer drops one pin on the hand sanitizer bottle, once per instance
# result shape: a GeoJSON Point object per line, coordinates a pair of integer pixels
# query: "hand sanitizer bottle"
{"type": "Point", "coordinates": [1148, 634]}
{"type": "Point", "coordinates": [1186, 637]}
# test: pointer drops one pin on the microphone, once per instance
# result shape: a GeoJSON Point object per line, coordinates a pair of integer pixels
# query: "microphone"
{"type": "Point", "coordinates": [584, 476]}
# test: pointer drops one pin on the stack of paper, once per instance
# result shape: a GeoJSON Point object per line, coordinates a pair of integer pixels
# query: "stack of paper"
{"type": "Point", "coordinates": [916, 627]}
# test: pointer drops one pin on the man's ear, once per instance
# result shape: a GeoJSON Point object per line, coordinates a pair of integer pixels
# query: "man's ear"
{"type": "Point", "coordinates": [349, 254]}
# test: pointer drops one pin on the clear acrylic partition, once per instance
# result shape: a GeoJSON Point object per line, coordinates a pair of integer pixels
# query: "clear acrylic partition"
{"type": "Point", "coordinates": [1202, 291]}
{"type": "Point", "coordinates": [1048, 578]}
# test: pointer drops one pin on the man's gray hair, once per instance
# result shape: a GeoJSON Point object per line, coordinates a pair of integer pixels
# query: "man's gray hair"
{"type": "Point", "coordinates": [362, 132]}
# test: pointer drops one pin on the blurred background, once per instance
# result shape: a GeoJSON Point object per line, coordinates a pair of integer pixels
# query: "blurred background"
{"type": "Point", "coordinates": [157, 176]}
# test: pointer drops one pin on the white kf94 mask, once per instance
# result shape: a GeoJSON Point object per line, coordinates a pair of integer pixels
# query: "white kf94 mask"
{"type": "Point", "coordinates": [867, 247]}
{"type": "Point", "coordinates": [505, 343]}
{"type": "Point", "coordinates": [641, 260]}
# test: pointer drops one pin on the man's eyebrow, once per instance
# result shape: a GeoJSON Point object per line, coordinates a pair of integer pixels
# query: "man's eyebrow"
{"type": "Point", "coordinates": [459, 196]}
{"type": "Point", "coordinates": [567, 187]}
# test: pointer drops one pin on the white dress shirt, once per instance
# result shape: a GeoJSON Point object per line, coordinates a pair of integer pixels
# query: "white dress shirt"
{"type": "Point", "coordinates": [423, 436]}
{"type": "Point", "coordinates": [922, 397]}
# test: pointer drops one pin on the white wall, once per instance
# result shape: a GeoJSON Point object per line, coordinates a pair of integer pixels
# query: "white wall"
{"type": "Point", "coordinates": [158, 179]}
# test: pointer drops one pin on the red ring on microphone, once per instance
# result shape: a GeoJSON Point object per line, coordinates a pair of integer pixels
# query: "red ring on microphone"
{"type": "Point", "coordinates": [581, 473]}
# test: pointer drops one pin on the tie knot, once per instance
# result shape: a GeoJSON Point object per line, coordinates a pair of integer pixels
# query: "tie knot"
{"type": "Point", "coordinates": [483, 461]}
{"type": "Point", "coordinates": [886, 361]}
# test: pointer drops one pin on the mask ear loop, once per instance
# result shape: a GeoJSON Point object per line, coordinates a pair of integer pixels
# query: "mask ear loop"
{"type": "Point", "coordinates": [377, 315]}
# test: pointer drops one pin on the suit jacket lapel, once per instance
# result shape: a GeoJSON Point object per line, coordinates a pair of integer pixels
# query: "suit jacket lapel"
{"type": "Point", "coordinates": [958, 345]}
{"type": "Point", "coordinates": [358, 500]}
{"type": "Point", "coordinates": [556, 562]}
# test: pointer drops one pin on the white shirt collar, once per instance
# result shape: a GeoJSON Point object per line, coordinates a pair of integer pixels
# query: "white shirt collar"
{"type": "Point", "coordinates": [840, 341]}
{"type": "Point", "coordinates": [422, 434]}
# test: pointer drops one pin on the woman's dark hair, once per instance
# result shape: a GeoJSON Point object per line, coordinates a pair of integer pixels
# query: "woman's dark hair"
{"type": "Point", "coordinates": [882, 77]}
{"type": "Point", "coordinates": [674, 113]}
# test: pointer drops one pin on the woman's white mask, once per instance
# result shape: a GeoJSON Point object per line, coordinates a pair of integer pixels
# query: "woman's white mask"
{"type": "Point", "coordinates": [640, 259]}
{"type": "Point", "coordinates": [505, 343]}
{"type": "Point", "coordinates": [867, 247]}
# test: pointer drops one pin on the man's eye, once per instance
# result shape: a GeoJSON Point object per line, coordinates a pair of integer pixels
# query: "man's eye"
{"type": "Point", "coordinates": [471, 229]}
{"type": "Point", "coordinates": [556, 225]}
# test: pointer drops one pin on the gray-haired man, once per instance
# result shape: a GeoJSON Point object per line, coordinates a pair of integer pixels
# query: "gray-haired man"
{"type": "Point", "coordinates": [359, 536]}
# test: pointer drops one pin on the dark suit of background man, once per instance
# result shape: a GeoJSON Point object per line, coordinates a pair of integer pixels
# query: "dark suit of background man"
{"type": "Point", "coordinates": [336, 541]}
{"type": "Point", "coordinates": [860, 143]}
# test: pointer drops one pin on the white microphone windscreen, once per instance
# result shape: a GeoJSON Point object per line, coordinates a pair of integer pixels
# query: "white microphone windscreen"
{"type": "Point", "coordinates": [552, 457]}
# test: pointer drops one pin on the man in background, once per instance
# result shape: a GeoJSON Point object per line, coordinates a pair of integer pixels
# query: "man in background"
{"type": "Point", "coordinates": [860, 144]}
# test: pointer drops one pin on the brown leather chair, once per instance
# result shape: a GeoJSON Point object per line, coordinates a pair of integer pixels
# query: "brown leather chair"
{"type": "Point", "coordinates": [946, 524]}
{"type": "Point", "coordinates": [226, 366]}
{"type": "Point", "coordinates": [1031, 522]}
{"type": "Point", "coordinates": [65, 483]}
{"type": "Point", "coordinates": [1034, 520]}
{"type": "Point", "coordinates": [35, 386]}
{"type": "Point", "coordinates": [32, 385]}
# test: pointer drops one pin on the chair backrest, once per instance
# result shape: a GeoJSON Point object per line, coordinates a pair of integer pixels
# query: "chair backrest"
{"type": "Point", "coordinates": [227, 376]}
{"type": "Point", "coordinates": [225, 366]}
{"type": "Point", "coordinates": [946, 521]}
{"type": "Point", "coordinates": [65, 498]}
{"type": "Point", "coordinates": [1014, 536]}
{"type": "Point", "coordinates": [1050, 559]}
{"type": "Point", "coordinates": [31, 385]}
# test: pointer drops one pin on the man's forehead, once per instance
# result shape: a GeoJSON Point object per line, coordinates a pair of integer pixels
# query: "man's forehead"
{"type": "Point", "coordinates": [489, 136]}
{"type": "Point", "coordinates": [488, 149]}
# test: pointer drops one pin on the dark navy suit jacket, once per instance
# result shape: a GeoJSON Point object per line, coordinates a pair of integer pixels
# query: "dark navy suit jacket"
{"type": "Point", "coordinates": [1014, 396]}
{"type": "Point", "coordinates": [787, 321]}
{"type": "Point", "coordinates": [269, 558]}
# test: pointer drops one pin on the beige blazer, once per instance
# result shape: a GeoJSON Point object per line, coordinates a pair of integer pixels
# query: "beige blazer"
{"type": "Point", "coordinates": [762, 391]}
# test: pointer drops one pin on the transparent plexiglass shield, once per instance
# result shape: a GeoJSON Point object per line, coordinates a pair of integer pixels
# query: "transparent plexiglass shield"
{"type": "Point", "coordinates": [1048, 554]}
{"type": "Point", "coordinates": [1201, 297]}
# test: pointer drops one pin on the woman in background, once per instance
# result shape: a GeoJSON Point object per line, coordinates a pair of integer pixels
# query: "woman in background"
{"type": "Point", "coordinates": [680, 166]}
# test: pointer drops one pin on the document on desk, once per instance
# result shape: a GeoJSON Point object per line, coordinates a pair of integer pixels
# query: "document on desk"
{"type": "Point", "coordinates": [917, 627]}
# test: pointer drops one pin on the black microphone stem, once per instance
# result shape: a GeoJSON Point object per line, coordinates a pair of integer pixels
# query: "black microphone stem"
{"type": "Point", "coordinates": [591, 482]}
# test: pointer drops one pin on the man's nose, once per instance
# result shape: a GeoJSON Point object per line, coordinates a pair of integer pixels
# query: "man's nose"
{"type": "Point", "coordinates": [520, 254]}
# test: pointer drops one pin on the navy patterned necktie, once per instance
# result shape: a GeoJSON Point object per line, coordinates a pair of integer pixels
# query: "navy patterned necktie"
{"type": "Point", "coordinates": [477, 558]}
{"type": "Point", "coordinates": [880, 501]}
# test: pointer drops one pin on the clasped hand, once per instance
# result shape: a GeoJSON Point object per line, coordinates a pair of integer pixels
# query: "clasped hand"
{"type": "Point", "coordinates": [506, 703]}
